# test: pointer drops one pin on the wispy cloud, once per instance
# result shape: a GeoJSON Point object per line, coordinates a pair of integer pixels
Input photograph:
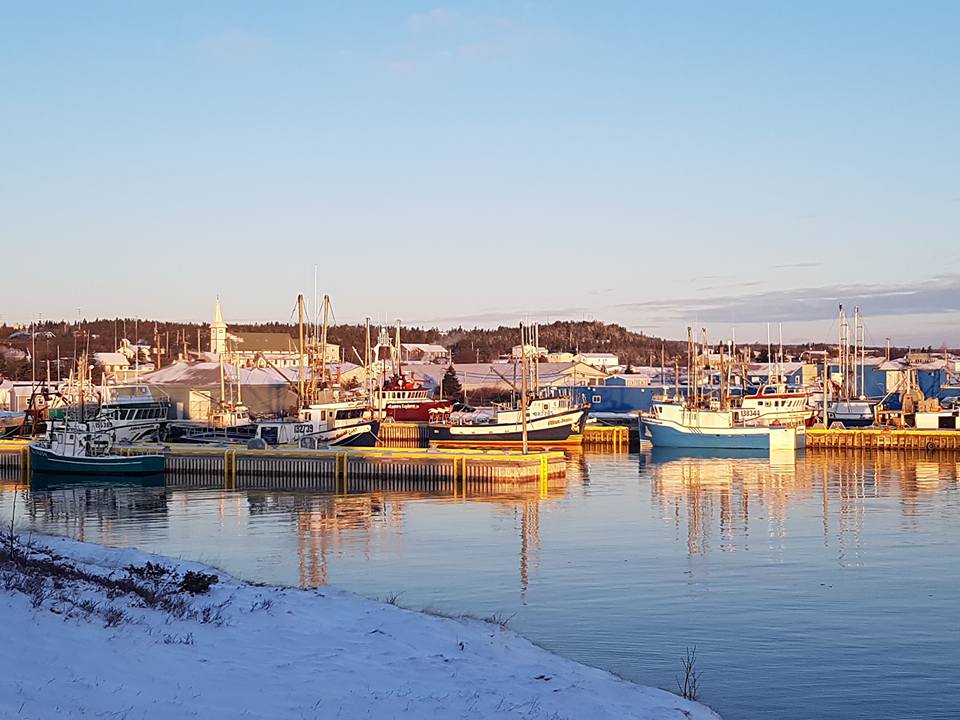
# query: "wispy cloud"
{"type": "Point", "coordinates": [934, 296]}
{"type": "Point", "coordinates": [798, 266]}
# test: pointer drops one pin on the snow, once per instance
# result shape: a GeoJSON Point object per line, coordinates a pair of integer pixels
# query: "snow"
{"type": "Point", "coordinates": [288, 653]}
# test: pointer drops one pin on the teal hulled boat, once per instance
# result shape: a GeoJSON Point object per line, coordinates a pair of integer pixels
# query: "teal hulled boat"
{"type": "Point", "coordinates": [77, 451]}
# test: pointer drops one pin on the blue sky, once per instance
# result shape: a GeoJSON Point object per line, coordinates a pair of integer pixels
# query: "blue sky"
{"type": "Point", "coordinates": [657, 165]}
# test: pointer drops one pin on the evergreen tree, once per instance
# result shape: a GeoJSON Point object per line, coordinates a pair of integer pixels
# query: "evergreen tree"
{"type": "Point", "coordinates": [450, 387]}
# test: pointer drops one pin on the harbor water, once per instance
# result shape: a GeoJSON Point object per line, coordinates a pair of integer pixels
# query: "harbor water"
{"type": "Point", "coordinates": [821, 588]}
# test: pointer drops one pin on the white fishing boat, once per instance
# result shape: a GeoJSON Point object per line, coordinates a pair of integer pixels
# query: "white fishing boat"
{"type": "Point", "coordinates": [775, 404]}
{"type": "Point", "coordinates": [335, 423]}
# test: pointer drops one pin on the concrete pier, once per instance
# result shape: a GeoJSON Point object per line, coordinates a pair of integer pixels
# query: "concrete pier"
{"type": "Point", "coordinates": [882, 438]}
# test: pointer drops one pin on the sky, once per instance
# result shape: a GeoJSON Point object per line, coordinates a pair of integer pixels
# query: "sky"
{"type": "Point", "coordinates": [661, 165]}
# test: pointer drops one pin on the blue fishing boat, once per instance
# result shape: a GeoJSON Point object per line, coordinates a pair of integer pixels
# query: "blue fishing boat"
{"type": "Point", "coordinates": [672, 424]}
{"type": "Point", "coordinates": [76, 450]}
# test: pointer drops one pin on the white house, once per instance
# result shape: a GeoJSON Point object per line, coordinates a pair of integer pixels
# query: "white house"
{"type": "Point", "coordinates": [424, 352]}
{"type": "Point", "coordinates": [599, 360]}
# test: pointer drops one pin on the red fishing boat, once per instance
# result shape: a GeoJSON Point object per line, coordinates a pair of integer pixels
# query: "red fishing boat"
{"type": "Point", "coordinates": [407, 400]}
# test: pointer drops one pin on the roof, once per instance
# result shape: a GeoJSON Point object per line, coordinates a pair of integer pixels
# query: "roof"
{"type": "Point", "coordinates": [494, 374]}
{"type": "Point", "coordinates": [203, 374]}
{"type": "Point", "coordinates": [262, 342]}
{"type": "Point", "coordinates": [110, 358]}
{"type": "Point", "coordinates": [785, 367]}
{"type": "Point", "coordinates": [424, 348]}
{"type": "Point", "coordinates": [598, 355]}
{"type": "Point", "coordinates": [901, 364]}
{"type": "Point", "coordinates": [199, 374]}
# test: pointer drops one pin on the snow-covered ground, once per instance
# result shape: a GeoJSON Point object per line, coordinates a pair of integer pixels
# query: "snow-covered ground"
{"type": "Point", "coordinates": [268, 652]}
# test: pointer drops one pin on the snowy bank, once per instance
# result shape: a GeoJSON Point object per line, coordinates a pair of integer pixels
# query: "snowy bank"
{"type": "Point", "coordinates": [84, 645]}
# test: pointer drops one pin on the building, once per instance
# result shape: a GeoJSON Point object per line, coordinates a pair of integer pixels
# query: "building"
{"type": "Point", "coordinates": [602, 361]}
{"type": "Point", "coordinates": [516, 352]}
{"type": "Point", "coordinates": [193, 389]}
{"type": "Point", "coordinates": [501, 376]}
{"type": "Point", "coordinates": [560, 357]}
{"type": "Point", "coordinates": [112, 364]}
{"type": "Point", "coordinates": [258, 349]}
{"type": "Point", "coordinates": [424, 352]}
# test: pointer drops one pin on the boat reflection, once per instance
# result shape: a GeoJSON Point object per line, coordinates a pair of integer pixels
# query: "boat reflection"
{"type": "Point", "coordinates": [733, 501]}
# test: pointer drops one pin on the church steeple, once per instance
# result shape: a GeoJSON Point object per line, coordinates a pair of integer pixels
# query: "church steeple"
{"type": "Point", "coordinates": [218, 331]}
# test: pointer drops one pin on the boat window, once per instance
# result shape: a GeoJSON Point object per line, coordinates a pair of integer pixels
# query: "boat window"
{"type": "Point", "coordinates": [769, 390]}
{"type": "Point", "coordinates": [596, 399]}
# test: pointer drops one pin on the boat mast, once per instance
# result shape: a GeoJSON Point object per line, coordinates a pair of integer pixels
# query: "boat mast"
{"type": "Point", "coordinates": [301, 386]}
{"type": "Point", "coordinates": [769, 354]}
{"type": "Point", "coordinates": [860, 339]}
{"type": "Point", "coordinates": [826, 386]}
{"type": "Point", "coordinates": [843, 351]}
{"type": "Point", "coordinates": [239, 384]}
{"type": "Point", "coordinates": [367, 380]}
{"type": "Point", "coordinates": [397, 359]}
{"type": "Point", "coordinates": [323, 338]}
{"type": "Point", "coordinates": [780, 358]}
{"type": "Point", "coordinates": [536, 360]}
{"type": "Point", "coordinates": [523, 384]}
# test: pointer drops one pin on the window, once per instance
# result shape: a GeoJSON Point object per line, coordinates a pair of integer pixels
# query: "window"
{"type": "Point", "coordinates": [596, 399]}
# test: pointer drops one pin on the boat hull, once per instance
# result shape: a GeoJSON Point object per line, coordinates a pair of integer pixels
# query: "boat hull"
{"type": "Point", "coordinates": [560, 429]}
{"type": "Point", "coordinates": [665, 434]}
{"type": "Point", "coordinates": [45, 461]}
{"type": "Point", "coordinates": [360, 435]}
{"type": "Point", "coordinates": [416, 412]}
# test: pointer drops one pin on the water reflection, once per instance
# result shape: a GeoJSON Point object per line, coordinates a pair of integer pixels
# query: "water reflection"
{"type": "Point", "coordinates": [832, 574]}
{"type": "Point", "coordinates": [326, 525]}
{"type": "Point", "coordinates": [729, 502]}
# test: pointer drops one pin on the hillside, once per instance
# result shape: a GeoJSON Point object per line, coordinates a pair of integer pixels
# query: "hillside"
{"type": "Point", "coordinates": [59, 339]}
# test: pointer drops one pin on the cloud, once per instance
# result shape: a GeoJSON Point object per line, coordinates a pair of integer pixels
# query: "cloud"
{"type": "Point", "coordinates": [935, 296]}
{"type": "Point", "coordinates": [507, 317]}
{"type": "Point", "coordinates": [798, 266]}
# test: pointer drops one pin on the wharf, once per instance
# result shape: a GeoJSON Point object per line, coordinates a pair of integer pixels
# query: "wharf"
{"type": "Point", "coordinates": [338, 470]}
{"type": "Point", "coordinates": [400, 434]}
{"type": "Point", "coordinates": [883, 438]}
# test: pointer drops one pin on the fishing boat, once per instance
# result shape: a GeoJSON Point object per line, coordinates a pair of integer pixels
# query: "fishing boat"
{"type": "Point", "coordinates": [722, 420]}
{"type": "Point", "coordinates": [128, 413]}
{"type": "Point", "coordinates": [775, 404]}
{"type": "Point", "coordinates": [674, 424]}
{"type": "Point", "coordinates": [11, 423]}
{"type": "Point", "coordinates": [535, 416]}
{"type": "Point", "coordinates": [335, 423]}
{"type": "Point", "coordinates": [844, 396]}
{"type": "Point", "coordinates": [82, 450]}
{"type": "Point", "coordinates": [405, 399]}
{"type": "Point", "coordinates": [551, 420]}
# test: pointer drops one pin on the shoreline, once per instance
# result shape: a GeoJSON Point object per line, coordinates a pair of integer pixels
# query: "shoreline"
{"type": "Point", "coordinates": [243, 650]}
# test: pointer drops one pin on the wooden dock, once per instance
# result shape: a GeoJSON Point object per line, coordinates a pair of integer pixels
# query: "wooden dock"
{"type": "Point", "coordinates": [417, 435]}
{"type": "Point", "coordinates": [884, 439]}
{"type": "Point", "coordinates": [608, 437]}
{"type": "Point", "coordinates": [340, 470]}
